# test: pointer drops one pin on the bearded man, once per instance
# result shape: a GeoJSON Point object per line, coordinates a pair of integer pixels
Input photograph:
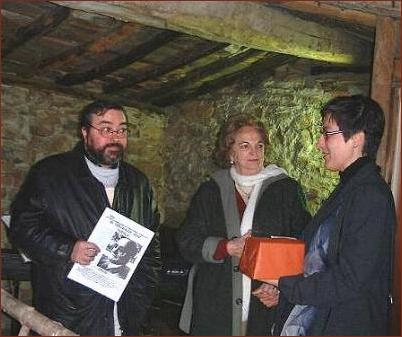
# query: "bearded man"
{"type": "Point", "coordinates": [57, 208]}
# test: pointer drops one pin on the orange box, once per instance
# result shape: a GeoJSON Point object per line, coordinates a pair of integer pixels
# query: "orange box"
{"type": "Point", "coordinates": [271, 258]}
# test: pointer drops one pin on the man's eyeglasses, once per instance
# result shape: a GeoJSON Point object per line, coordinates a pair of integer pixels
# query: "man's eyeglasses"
{"type": "Point", "coordinates": [326, 133]}
{"type": "Point", "coordinates": [109, 132]}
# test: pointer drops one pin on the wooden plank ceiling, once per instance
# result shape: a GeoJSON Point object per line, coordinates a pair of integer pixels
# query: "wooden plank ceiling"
{"type": "Point", "coordinates": [155, 54]}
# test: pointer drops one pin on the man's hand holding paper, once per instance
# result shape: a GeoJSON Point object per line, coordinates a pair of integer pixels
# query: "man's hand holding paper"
{"type": "Point", "coordinates": [84, 252]}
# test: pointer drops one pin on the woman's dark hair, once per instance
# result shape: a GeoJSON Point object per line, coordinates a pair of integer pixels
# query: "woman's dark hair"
{"type": "Point", "coordinates": [227, 133]}
{"type": "Point", "coordinates": [354, 114]}
{"type": "Point", "coordinates": [98, 107]}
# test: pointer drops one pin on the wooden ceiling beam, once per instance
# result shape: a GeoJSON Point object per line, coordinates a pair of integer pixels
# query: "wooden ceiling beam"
{"type": "Point", "coordinates": [121, 61]}
{"type": "Point", "coordinates": [248, 77]}
{"type": "Point", "coordinates": [378, 8]}
{"type": "Point", "coordinates": [323, 8]}
{"type": "Point", "coordinates": [319, 69]}
{"type": "Point", "coordinates": [101, 44]}
{"type": "Point", "coordinates": [197, 74]}
{"type": "Point", "coordinates": [250, 24]}
{"type": "Point", "coordinates": [43, 24]}
{"type": "Point", "coordinates": [68, 56]}
{"type": "Point", "coordinates": [78, 93]}
{"type": "Point", "coordinates": [168, 66]}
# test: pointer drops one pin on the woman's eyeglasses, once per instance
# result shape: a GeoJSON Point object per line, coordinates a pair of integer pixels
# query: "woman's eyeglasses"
{"type": "Point", "coordinates": [326, 133]}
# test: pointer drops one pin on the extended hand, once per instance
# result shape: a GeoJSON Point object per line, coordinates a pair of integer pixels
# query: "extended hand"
{"type": "Point", "coordinates": [84, 252]}
{"type": "Point", "coordinates": [271, 282]}
{"type": "Point", "coordinates": [236, 245]}
{"type": "Point", "coordinates": [267, 294]}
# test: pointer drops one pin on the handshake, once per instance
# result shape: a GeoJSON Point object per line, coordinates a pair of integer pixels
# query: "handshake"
{"type": "Point", "coordinates": [268, 294]}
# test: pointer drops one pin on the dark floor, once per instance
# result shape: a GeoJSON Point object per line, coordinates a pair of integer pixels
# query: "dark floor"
{"type": "Point", "coordinates": [164, 320]}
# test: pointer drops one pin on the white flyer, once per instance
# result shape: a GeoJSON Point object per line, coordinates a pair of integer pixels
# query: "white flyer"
{"type": "Point", "coordinates": [122, 243]}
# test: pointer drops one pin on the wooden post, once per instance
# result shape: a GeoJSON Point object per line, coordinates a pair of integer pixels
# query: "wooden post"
{"type": "Point", "coordinates": [396, 189]}
{"type": "Point", "coordinates": [381, 84]}
{"type": "Point", "coordinates": [381, 90]}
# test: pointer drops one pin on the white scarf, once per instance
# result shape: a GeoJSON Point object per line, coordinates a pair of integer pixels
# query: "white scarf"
{"type": "Point", "coordinates": [107, 176]}
{"type": "Point", "coordinates": [256, 181]}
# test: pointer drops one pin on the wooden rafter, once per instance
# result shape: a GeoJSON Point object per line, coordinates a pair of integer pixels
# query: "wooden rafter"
{"type": "Point", "coordinates": [253, 75]}
{"type": "Point", "coordinates": [391, 8]}
{"type": "Point", "coordinates": [40, 26]}
{"type": "Point", "coordinates": [78, 93]}
{"type": "Point", "coordinates": [323, 8]}
{"type": "Point", "coordinates": [197, 74]}
{"type": "Point", "coordinates": [316, 70]}
{"type": "Point", "coordinates": [99, 45]}
{"type": "Point", "coordinates": [167, 67]}
{"type": "Point", "coordinates": [121, 61]}
{"type": "Point", "coordinates": [67, 56]}
{"type": "Point", "coordinates": [244, 23]}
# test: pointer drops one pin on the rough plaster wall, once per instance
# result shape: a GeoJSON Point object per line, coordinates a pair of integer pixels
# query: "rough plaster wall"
{"type": "Point", "coordinates": [36, 124]}
{"type": "Point", "coordinates": [190, 136]}
{"type": "Point", "coordinates": [287, 104]}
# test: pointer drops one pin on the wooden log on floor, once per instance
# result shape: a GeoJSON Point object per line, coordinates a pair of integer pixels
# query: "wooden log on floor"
{"type": "Point", "coordinates": [30, 318]}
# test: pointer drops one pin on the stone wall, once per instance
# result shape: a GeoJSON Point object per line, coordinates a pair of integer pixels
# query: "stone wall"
{"type": "Point", "coordinates": [36, 124]}
{"type": "Point", "coordinates": [288, 104]}
{"type": "Point", "coordinates": [175, 150]}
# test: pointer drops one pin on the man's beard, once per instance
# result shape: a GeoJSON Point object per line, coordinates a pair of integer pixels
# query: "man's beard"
{"type": "Point", "coordinates": [101, 157]}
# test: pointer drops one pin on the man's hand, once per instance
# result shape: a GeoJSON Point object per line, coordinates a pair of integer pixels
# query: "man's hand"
{"type": "Point", "coordinates": [267, 294]}
{"type": "Point", "coordinates": [236, 245]}
{"type": "Point", "coordinates": [84, 252]}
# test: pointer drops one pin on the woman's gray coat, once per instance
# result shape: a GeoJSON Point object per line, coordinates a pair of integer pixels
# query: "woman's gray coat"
{"type": "Point", "coordinates": [213, 216]}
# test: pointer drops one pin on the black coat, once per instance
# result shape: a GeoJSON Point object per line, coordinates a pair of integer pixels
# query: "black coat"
{"type": "Point", "coordinates": [279, 211]}
{"type": "Point", "coordinates": [351, 295]}
{"type": "Point", "coordinates": [60, 203]}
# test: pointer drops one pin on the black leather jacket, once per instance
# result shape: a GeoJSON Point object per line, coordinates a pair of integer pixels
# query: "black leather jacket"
{"type": "Point", "coordinates": [60, 203]}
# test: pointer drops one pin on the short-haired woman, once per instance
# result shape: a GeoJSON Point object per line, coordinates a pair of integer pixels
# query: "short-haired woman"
{"type": "Point", "coordinates": [347, 275]}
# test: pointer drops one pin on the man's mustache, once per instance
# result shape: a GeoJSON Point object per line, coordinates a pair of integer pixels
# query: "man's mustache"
{"type": "Point", "coordinates": [113, 145]}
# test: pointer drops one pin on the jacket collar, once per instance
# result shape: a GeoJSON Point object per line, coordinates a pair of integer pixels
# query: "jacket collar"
{"type": "Point", "coordinates": [81, 167]}
{"type": "Point", "coordinates": [352, 169]}
{"type": "Point", "coordinates": [360, 172]}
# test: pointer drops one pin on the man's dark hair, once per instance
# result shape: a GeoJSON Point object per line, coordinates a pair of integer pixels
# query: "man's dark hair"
{"type": "Point", "coordinates": [98, 107]}
{"type": "Point", "coordinates": [354, 114]}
